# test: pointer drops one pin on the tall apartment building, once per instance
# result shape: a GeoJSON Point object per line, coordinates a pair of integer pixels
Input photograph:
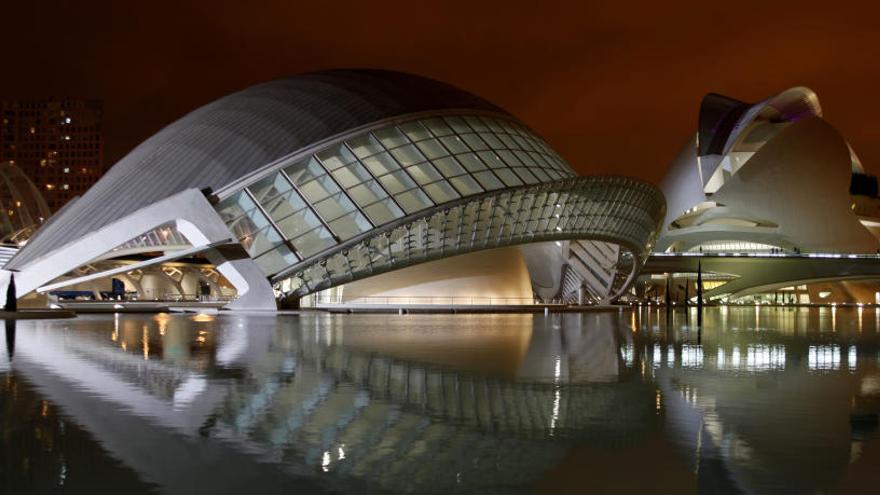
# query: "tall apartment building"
{"type": "Point", "coordinates": [58, 143]}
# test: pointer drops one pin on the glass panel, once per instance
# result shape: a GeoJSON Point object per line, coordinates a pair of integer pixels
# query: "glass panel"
{"type": "Point", "coordinates": [542, 160]}
{"type": "Point", "coordinates": [397, 182]}
{"type": "Point", "coordinates": [516, 128]}
{"type": "Point", "coordinates": [366, 193]}
{"type": "Point", "coordinates": [390, 137]}
{"type": "Point", "coordinates": [415, 131]}
{"type": "Point", "coordinates": [235, 206]}
{"type": "Point", "coordinates": [522, 143]}
{"type": "Point", "coordinates": [407, 155]}
{"type": "Point", "coordinates": [492, 141]}
{"type": "Point", "coordinates": [284, 206]}
{"type": "Point", "coordinates": [351, 175]}
{"type": "Point", "coordinates": [441, 192]}
{"type": "Point", "coordinates": [471, 162]}
{"type": "Point", "coordinates": [255, 219]}
{"type": "Point", "coordinates": [525, 159]}
{"type": "Point", "coordinates": [466, 185]}
{"type": "Point", "coordinates": [381, 164]}
{"type": "Point", "coordinates": [488, 180]}
{"type": "Point", "coordinates": [491, 159]}
{"type": "Point", "coordinates": [269, 187]}
{"type": "Point", "coordinates": [350, 225]}
{"type": "Point", "coordinates": [334, 207]}
{"type": "Point", "coordinates": [336, 157]}
{"type": "Point", "coordinates": [508, 141]}
{"type": "Point", "coordinates": [458, 125]}
{"type": "Point", "coordinates": [437, 127]}
{"type": "Point", "coordinates": [533, 143]}
{"type": "Point", "coordinates": [383, 212]}
{"type": "Point", "coordinates": [424, 173]}
{"type": "Point", "coordinates": [448, 166]}
{"type": "Point", "coordinates": [474, 142]}
{"type": "Point", "coordinates": [276, 260]}
{"type": "Point", "coordinates": [475, 123]}
{"type": "Point", "coordinates": [247, 224]}
{"type": "Point", "coordinates": [509, 158]}
{"type": "Point", "coordinates": [540, 174]}
{"type": "Point", "coordinates": [365, 145]}
{"type": "Point", "coordinates": [526, 175]}
{"type": "Point", "coordinates": [260, 241]}
{"type": "Point", "coordinates": [319, 189]}
{"type": "Point", "coordinates": [298, 223]}
{"type": "Point", "coordinates": [313, 242]}
{"type": "Point", "coordinates": [508, 177]}
{"type": "Point", "coordinates": [304, 171]}
{"type": "Point", "coordinates": [455, 144]}
{"type": "Point", "coordinates": [509, 127]}
{"type": "Point", "coordinates": [432, 148]}
{"type": "Point", "coordinates": [561, 165]}
{"type": "Point", "coordinates": [413, 200]}
{"type": "Point", "coordinates": [493, 124]}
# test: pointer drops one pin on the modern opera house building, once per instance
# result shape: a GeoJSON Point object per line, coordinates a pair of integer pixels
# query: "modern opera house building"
{"type": "Point", "coordinates": [755, 177]}
{"type": "Point", "coordinates": [355, 185]}
{"type": "Point", "coordinates": [761, 198]}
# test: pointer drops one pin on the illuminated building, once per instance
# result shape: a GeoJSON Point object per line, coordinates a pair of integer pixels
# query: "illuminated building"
{"type": "Point", "coordinates": [770, 181]}
{"type": "Point", "coordinates": [373, 183]}
{"type": "Point", "coordinates": [58, 143]}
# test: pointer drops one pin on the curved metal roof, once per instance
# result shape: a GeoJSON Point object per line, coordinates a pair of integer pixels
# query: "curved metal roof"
{"type": "Point", "coordinates": [238, 134]}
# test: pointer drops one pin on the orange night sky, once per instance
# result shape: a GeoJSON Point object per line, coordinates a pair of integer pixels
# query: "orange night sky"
{"type": "Point", "coordinates": [614, 86]}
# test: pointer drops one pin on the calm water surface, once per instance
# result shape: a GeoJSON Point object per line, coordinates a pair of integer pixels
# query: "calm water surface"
{"type": "Point", "coordinates": [768, 400]}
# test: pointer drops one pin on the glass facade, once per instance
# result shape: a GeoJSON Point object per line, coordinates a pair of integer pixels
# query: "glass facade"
{"type": "Point", "coordinates": [370, 179]}
{"type": "Point", "coordinates": [614, 209]}
{"type": "Point", "coordinates": [733, 247]}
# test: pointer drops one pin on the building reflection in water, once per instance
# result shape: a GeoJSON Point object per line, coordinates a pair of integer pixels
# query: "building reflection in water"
{"type": "Point", "coordinates": [761, 400]}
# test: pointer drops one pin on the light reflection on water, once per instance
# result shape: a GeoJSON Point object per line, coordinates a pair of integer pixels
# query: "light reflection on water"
{"type": "Point", "coordinates": [759, 400]}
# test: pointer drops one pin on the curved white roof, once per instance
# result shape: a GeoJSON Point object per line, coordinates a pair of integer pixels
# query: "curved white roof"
{"type": "Point", "coordinates": [240, 133]}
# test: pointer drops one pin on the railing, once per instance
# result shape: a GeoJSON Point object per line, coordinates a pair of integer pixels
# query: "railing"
{"type": "Point", "coordinates": [167, 296]}
{"type": "Point", "coordinates": [424, 300]}
{"type": "Point", "coordinates": [752, 254]}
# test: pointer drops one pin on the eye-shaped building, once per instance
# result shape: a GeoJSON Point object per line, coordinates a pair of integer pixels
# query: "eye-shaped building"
{"type": "Point", "coordinates": [329, 179]}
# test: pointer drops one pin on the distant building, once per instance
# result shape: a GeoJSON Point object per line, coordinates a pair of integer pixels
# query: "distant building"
{"type": "Point", "coordinates": [58, 143]}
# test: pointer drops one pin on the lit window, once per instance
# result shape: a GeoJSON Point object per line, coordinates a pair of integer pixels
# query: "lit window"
{"type": "Point", "coordinates": [50, 186]}
{"type": "Point", "coordinates": [65, 187]}
{"type": "Point", "coordinates": [66, 169]}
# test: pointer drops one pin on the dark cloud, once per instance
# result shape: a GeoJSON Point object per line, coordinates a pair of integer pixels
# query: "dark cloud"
{"type": "Point", "coordinates": [614, 87]}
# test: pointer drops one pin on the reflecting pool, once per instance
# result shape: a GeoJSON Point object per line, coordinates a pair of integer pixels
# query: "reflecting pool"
{"type": "Point", "coordinates": [758, 400]}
